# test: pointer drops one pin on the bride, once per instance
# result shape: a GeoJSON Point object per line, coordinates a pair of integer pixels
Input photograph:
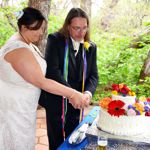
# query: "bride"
{"type": "Point", "coordinates": [22, 75]}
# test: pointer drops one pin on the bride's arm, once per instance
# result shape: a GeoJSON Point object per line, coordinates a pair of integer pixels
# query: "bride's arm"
{"type": "Point", "coordinates": [24, 62]}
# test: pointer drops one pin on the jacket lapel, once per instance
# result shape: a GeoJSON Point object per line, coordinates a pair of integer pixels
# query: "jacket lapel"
{"type": "Point", "coordinates": [73, 64]}
{"type": "Point", "coordinates": [72, 55]}
{"type": "Point", "coordinates": [80, 63]}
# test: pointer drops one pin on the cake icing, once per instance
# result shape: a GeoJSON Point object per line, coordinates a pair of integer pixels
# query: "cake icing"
{"type": "Point", "coordinates": [123, 125]}
{"type": "Point", "coordinates": [125, 99]}
{"type": "Point", "coordinates": [124, 114]}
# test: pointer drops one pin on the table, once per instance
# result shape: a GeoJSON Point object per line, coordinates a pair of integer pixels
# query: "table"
{"type": "Point", "coordinates": [88, 119]}
{"type": "Point", "coordinates": [113, 144]}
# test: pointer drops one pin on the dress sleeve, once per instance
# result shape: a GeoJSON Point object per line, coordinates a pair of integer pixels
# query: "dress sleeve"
{"type": "Point", "coordinates": [10, 46]}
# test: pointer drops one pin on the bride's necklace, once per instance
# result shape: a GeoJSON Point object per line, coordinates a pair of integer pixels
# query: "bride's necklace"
{"type": "Point", "coordinates": [30, 44]}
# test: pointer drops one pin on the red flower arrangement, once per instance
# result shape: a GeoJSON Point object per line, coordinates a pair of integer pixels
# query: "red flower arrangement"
{"type": "Point", "coordinates": [148, 99]}
{"type": "Point", "coordinates": [122, 89]}
{"type": "Point", "coordinates": [115, 108]}
{"type": "Point", "coordinates": [147, 114]}
{"type": "Point", "coordinates": [119, 108]}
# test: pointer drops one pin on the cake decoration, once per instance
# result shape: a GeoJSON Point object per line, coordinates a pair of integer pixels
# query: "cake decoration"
{"type": "Point", "coordinates": [123, 113]}
{"type": "Point", "coordinates": [122, 89]}
{"type": "Point", "coordinates": [119, 107]}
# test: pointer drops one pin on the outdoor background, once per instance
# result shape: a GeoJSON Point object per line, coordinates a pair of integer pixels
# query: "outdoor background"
{"type": "Point", "coordinates": [120, 28]}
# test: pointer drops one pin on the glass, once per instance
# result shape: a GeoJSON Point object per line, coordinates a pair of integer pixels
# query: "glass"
{"type": "Point", "coordinates": [79, 29]}
{"type": "Point", "coordinates": [102, 142]}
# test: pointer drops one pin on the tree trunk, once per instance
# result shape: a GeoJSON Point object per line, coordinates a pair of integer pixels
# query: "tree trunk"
{"type": "Point", "coordinates": [75, 3]}
{"type": "Point", "coordinates": [4, 3]}
{"type": "Point", "coordinates": [109, 15]}
{"type": "Point", "coordinates": [86, 6]}
{"type": "Point", "coordinates": [44, 7]}
{"type": "Point", "coordinates": [145, 71]}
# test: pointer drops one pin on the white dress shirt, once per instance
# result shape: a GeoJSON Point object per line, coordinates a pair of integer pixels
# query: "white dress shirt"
{"type": "Point", "coordinates": [76, 45]}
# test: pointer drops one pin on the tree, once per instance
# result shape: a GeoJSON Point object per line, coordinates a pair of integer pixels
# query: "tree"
{"type": "Point", "coordinates": [83, 4]}
{"type": "Point", "coordinates": [4, 3]}
{"type": "Point", "coordinates": [75, 3]}
{"type": "Point", "coordinates": [108, 14]}
{"type": "Point", "coordinates": [86, 6]}
{"type": "Point", "coordinates": [146, 68]}
{"type": "Point", "coordinates": [44, 7]}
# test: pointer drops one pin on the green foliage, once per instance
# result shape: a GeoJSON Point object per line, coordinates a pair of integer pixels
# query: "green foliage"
{"type": "Point", "coordinates": [146, 23]}
{"type": "Point", "coordinates": [146, 39]}
{"type": "Point", "coordinates": [141, 41]}
{"type": "Point", "coordinates": [55, 23]}
{"type": "Point", "coordinates": [7, 17]}
{"type": "Point", "coordinates": [118, 63]}
{"type": "Point", "coordinates": [5, 30]}
{"type": "Point", "coordinates": [144, 88]}
{"type": "Point", "coordinates": [5, 34]}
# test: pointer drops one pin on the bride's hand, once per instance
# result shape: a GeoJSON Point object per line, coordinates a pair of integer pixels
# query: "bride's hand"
{"type": "Point", "coordinates": [78, 100]}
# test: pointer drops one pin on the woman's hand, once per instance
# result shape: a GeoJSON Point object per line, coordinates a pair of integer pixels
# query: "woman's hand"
{"type": "Point", "coordinates": [78, 100]}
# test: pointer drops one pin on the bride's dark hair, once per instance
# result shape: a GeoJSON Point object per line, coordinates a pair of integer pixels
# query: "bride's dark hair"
{"type": "Point", "coordinates": [32, 18]}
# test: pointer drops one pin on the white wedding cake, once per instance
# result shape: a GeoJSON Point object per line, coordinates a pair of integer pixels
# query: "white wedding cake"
{"type": "Point", "coordinates": [126, 99]}
{"type": "Point", "coordinates": [123, 114]}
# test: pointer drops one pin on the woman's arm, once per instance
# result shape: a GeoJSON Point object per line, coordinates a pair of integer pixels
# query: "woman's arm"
{"type": "Point", "coordinates": [24, 62]}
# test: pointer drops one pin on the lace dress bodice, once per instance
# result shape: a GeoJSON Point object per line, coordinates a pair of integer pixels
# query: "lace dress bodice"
{"type": "Point", "coordinates": [18, 102]}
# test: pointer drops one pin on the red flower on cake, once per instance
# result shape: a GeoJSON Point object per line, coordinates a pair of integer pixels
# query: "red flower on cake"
{"type": "Point", "coordinates": [147, 114]}
{"type": "Point", "coordinates": [115, 87]}
{"type": "Point", "coordinates": [148, 99]}
{"type": "Point", "coordinates": [122, 89]}
{"type": "Point", "coordinates": [115, 108]}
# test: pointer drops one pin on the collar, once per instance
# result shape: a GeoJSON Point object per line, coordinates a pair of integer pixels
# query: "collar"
{"type": "Point", "coordinates": [76, 44]}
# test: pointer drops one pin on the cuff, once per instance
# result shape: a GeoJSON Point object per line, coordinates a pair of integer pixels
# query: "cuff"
{"type": "Point", "coordinates": [88, 92]}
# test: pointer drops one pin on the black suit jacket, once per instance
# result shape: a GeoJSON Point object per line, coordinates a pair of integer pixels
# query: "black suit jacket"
{"type": "Point", "coordinates": [54, 56]}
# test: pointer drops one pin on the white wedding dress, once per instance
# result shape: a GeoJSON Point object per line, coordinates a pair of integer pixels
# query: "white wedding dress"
{"type": "Point", "coordinates": [18, 103]}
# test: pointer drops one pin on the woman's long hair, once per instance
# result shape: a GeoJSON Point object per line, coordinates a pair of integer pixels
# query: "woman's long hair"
{"type": "Point", "coordinates": [74, 12]}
